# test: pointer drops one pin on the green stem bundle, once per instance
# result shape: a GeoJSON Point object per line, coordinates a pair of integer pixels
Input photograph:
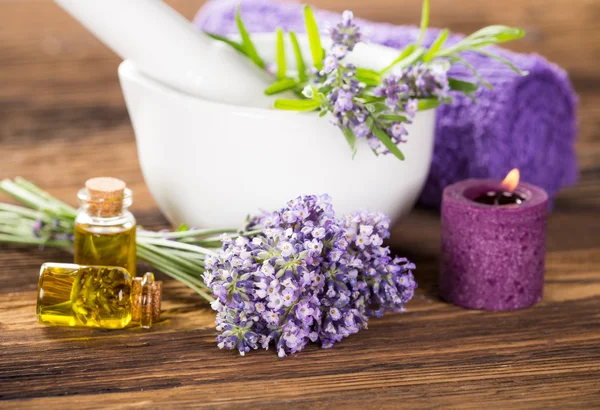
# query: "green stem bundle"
{"type": "Point", "coordinates": [45, 221]}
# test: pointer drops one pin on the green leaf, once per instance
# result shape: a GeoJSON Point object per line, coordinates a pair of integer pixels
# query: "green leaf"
{"type": "Point", "coordinates": [369, 99]}
{"type": "Point", "coordinates": [437, 44]}
{"type": "Point", "coordinates": [503, 61]}
{"type": "Point", "coordinates": [314, 38]}
{"type": "Point", "coordinates": [369, 77]}
{"type": "Point", "coordinates": [281, 86]}
{"type": "Point", "coordinates": [463, 86]}
{"type": "Point", "coordinates": [498, 34]}
{"type": "Point", "coordinates": [182, 227]}
{"type": "Point", "coordinates": [486, 36]}
{"type": "Point", "coordinates": [392, 117]}
{"type": "Point", "coordinates": [350, 138]}
{"type": "Point", "coordinates": [225, 40]}
{"type": "Point", "coordinates": [386, 141]}
{"type": "Point", "coordinates": [424, 22]}
{"type": "Point", "coordinates": [473, 70]}
{"type": "Point", "coordinates": [247, 41]}
{"type": "Point", "coordinates": [377, 106]}
{"type": "Point", "coordinates": [297, 105]}
{"type": "Point", "coordinates": [299, 58]}
{"type": "Point", "coordinates": [281, 63]}
{"type": "Point", "coordinates": [428, 104]}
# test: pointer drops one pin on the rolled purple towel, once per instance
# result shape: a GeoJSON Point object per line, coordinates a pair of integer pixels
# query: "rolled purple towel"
{"type": "Point", "coordinates": [524, 122]}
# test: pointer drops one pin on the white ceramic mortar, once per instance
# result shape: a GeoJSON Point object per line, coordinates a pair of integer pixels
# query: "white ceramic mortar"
{"type": "Point", "coordinates": [211, 164]}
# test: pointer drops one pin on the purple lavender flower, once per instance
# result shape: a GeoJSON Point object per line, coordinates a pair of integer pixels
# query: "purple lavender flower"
{"type": "Point", "coordinates": [361, 130]}
{"type": "Point", "coordinates": [50, 231]}
{"type": "Point", "coordinates": [330, 63]}
{"type": "Point", "coordinates": [346, 33]}
{"type": "Point", "coordinates": [315, 278]}
{"type": "Point", "coordinates": [374, 143]}
{"type": "Point", "coordinates": [339, 51]}
{"type": "Point", "coordinates": [425, 81]}
{"type": "Point", "coordinates": [37, 227]}
{"type": "Point", "coordinates": [411, 107]}
{"type": "Point", "coordinates": [343, 101]}
{"type": "Point", "coordinates": [393, 90]}
{"type": "Point", "coordinates": [398, 131]}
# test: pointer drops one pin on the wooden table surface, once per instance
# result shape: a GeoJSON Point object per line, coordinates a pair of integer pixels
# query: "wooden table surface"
{"type": "Point", "coordinates": [62, 120]}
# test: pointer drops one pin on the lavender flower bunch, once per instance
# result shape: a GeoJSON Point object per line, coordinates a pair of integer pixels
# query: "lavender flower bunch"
{"type": "Point", "coordinates": [309, 277]}
{"type": "Point", "coordinates": [375, 106]}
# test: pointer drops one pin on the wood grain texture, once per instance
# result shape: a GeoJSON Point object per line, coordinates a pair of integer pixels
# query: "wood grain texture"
{"type": "Point", "coordinates": [62, 120]}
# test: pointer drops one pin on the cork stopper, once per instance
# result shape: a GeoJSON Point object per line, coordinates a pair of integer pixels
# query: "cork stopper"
{"type": "Point", "coordinates": [146, 294]}
{"type": "Point", "coordinates": [105, 196]}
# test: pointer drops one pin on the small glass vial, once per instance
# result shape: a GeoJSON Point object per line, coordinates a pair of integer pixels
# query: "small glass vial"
{"type": "Point", "coordinates": [104, 228]}
{"type": "Point", "coordinates": [96, 296]}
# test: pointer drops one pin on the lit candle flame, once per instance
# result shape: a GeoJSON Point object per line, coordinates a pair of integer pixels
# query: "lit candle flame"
{"type": "Point", "coordinates": [511, 181]}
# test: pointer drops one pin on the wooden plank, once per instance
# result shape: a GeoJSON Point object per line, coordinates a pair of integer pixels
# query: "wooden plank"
{"type": "Point", "coordinates": [398, 353]}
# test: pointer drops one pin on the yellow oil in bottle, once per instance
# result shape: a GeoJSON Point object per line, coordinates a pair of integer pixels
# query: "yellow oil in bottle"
{"type": "Point", "coordinates": [106, 246]}
{"type": "Point", "coordinates": [94, 296]}
{"type": "Point", "coordinates": [104, 228]}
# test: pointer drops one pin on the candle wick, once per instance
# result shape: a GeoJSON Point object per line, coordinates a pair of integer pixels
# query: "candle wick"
{"type": "Point", "coordinates": [497, 198]}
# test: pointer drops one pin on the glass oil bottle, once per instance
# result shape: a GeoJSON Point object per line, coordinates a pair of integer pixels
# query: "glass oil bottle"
{"type": "Point", "coordinates": [104, 228]}
{"type": "Point", "coordinates": [96, 296]}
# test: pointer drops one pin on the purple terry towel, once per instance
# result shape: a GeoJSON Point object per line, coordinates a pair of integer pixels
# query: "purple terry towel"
{"type": "Point", "coordinates": [524, 122]}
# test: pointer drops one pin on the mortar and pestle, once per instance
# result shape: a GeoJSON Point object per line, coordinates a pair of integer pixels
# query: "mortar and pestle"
{"type": "Point", "coordinates": [210, 147]}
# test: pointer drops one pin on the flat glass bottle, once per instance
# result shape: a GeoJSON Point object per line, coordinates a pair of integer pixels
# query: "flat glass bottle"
{"type": "Point", "coordinates": [104, 228]}
{"type": "Point", "coordinates": [96, 296]}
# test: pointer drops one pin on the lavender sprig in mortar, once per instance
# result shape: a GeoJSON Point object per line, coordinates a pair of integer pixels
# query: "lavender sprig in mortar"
{"type": "Point", "coordinates": [368, 104]}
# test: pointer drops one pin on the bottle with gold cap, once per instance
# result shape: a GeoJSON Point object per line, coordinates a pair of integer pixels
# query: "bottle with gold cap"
{"type": "Point", "coordinates": [104, 228]}
{"type": "Point", "coordinates": [96, 296]}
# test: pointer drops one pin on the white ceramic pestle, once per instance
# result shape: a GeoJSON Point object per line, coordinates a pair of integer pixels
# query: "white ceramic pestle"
{"type": "Point", "coordinates": [167, 47]}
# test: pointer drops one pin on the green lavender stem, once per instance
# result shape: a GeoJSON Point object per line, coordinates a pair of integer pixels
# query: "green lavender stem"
{"type": "Point", "coordinates": [35, 241]}
{"type": "Point", "coordinates": [173, 272]}
{"type": "Point", "coordinates": [184, 234]}
{"type": "Point", "coordinates": [182, 262]}
{"type": "Point", "coordinates": [176, 245]}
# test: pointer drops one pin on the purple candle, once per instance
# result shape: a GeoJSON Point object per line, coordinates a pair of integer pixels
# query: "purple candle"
{"type": "Point", "coordinates": [493, 243]}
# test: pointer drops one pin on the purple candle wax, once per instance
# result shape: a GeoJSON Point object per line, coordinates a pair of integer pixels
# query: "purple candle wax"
{"type": "Point", "coordinates": [492, 255]}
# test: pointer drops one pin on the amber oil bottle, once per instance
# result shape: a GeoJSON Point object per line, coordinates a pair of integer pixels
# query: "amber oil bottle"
{"type": "Point", "coordinates": [104, 228]}
{"type": "Point", "coordinates": [96, 296]}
